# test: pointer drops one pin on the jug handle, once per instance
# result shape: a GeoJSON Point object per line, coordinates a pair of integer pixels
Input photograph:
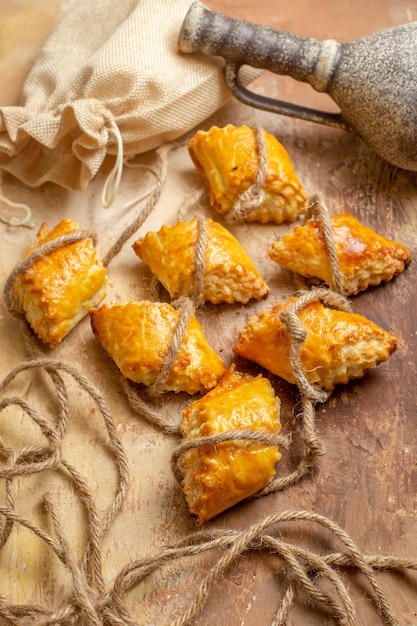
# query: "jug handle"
{"type": "Point", "coordinates": [279, 106]}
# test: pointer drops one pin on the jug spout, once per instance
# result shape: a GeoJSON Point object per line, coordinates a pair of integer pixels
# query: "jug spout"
{"type": "Point", "coordinates": [373, 80]}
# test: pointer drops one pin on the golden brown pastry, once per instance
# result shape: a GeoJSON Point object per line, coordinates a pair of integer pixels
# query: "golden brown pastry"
{"type": "Point", "coordinates": [59, 288]}
{"type": "Point", "coordinates": [339, 345]}
{"type": "Point", "coordinates": [217, 477]}
{"type": "Point", "coordinates": [228, 160]}
{"type": "Point", "coordinates": [365, 258]}
{"type": "Point", "coordinates": [138, 336]}
{"type": "Point", "coordinates": [229, 273]}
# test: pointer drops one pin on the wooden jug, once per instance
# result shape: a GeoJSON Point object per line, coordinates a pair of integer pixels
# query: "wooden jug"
{"type": "Point", "coordinates": [373, 80]}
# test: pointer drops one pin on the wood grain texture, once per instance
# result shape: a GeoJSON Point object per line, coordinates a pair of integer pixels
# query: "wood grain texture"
{"type": "Point", "coordinates": [366, 481]}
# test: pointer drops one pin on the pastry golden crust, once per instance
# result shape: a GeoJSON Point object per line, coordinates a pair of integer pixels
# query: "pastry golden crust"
{"type": "Point", "coordinates": [339, 345]}
{"type": "Point", "coordinates": [228, 160]}
{"type": "Point", "coordinates": [365, 258]}
{"type": "Point", "coordinates": [217, 477]}
{"type": "Point", "coordinates": [229, 273]}
{"type": "Point", "coordinates": [138, 335]}
{"type": "Point", "coordinates": [59, 288]}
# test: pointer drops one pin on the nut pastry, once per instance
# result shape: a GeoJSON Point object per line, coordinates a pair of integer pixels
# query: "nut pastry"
{"type": "Point", "coordinates": [365, 258]}
{"type": "Point", "coordinates": [339, 345]}
{"type": "Point", "coordinates": [228, 160]}
{"type": "Point", "coordinates": [60, 287]}
{"type": "Point", "coordinates": [229, 275]}
{"type": "Point", "coordinates": [215, 477]}
{"type": "Point", "coordinates": [138, 336]}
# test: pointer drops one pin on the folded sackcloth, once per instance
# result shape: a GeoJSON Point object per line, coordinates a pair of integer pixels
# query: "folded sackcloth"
{"type": "Point", "coordinates": [110, 72]}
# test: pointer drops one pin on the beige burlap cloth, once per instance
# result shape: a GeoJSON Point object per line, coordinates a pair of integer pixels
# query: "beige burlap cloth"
{"type": "Point", "coordinates": [109, 72]}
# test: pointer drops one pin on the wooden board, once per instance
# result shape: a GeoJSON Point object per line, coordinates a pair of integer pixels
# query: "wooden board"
{"type": "Point", "coordinates": [365, 482]}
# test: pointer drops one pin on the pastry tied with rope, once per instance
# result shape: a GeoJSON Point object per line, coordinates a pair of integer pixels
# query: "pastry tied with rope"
{"type": "Point", "coordinates": [138, 336]}
{"type": "Point", "coordinates": [229, 275]}
{"type": "Point", "coordinates": [228, 160]}
{"type": "Point", "coordinates": [338, 347]}
{"type": "Point", "coordinates": [365, 258]}
{"type": "Point", "coordinates": [216, 477]}
{"type": "Point", "coordinates": [60, 287]}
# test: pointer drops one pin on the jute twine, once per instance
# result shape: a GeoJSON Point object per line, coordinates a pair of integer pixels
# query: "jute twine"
{"type": "Point", "coordinates": [90, 601]}
{"type": "Point", "coordinates": [254, 196]}
{"type": "Point", "coordinates": [319, 210]}
{"type": "Point", "coordinates": [87, 576]}
{"type": "Point", "coordinates": [40, 252]}
{"type": "Point", "coordinates": [23, 209]}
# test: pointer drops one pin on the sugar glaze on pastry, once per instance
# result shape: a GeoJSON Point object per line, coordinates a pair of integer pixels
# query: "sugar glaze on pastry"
{"type": "Point", "coordinates": [218, 477]}
{"type": "Point", "coordinates": [365, 258]}
{"type": "Point", "coordinates": [228, 160]}
{"type": "Point", "coordinates": [339, 345]}
{"type": "Point", "coordinates": [229, 273]}
{"type": "Point", "coordinates": [138, 335]}
{"type": "Point", "coordinates": [60, 287]}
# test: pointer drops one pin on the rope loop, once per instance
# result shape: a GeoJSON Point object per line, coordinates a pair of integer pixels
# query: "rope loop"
{"type": "Point", "coordinates": [254, 196]}
{"type": "Point", "coordinates": [319, 210]}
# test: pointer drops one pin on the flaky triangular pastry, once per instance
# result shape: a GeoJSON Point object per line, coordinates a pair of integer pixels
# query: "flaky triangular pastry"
{"type": "Point", "coordinates": [228, 160]}
{"type": "Point", "coordinates": [365, 258]}
{"type": "Point", "coordinates": [216, 477]}
{"type": "Point", "coordinates": [229, 273]}
{"type": "Point", "coordinates": [138, 336]}
{"type": "Point", "coordinates": [60, 287]}
{"type": "Point", "coordinates": [339, 345]}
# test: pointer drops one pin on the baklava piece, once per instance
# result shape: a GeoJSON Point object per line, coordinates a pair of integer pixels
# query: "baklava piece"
{"type": "Point", "coordinates": [339, 345]}
{"type": "Point", "coordinates": [228, 160]}
{"type": "Point", "coordinates": [60, 287]}
{"type": "Point", "coordinates": [216, 477]}
{"type": "Point", "coordinates": [138, 336]}
{"type": "Point", "coordinates": [365, 258]}
{"type": "Point", "coordinates": [229, 274]}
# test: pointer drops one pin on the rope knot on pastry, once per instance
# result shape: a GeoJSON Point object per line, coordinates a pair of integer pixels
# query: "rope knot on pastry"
{"type": "Point", "coordinates": [186, 307]}
{"type": "Point", "coordinates": [39, 253]}
{"type": "Point", "coordinates": [298, 334]}
{"type": "Point", "coordinates": [339, 251]}
{"type": "Point", "coordinates": [319, 210]}
{"type": "Point", "coordinates": [254, 196]}
{"type": "Point", "coordinates": [248, 174]}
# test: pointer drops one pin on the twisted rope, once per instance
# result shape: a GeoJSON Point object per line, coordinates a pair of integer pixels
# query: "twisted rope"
{"type": "Point", "coordinates": [318, 210]}
{"type": "Point", "coordinates": [298, 334]}
{"type": "Point", "coordinates": [302, 570]}
{"type": "Point", "coordinates": [87, 576]}
{"type": "Point", "coordinates": [254, 196]}
{"type": "Point", "coordinates": [39, 253]}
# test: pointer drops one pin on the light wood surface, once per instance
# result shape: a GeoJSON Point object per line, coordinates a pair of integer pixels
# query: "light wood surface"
{"type": "Point", "coordinates": [366, 480]}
